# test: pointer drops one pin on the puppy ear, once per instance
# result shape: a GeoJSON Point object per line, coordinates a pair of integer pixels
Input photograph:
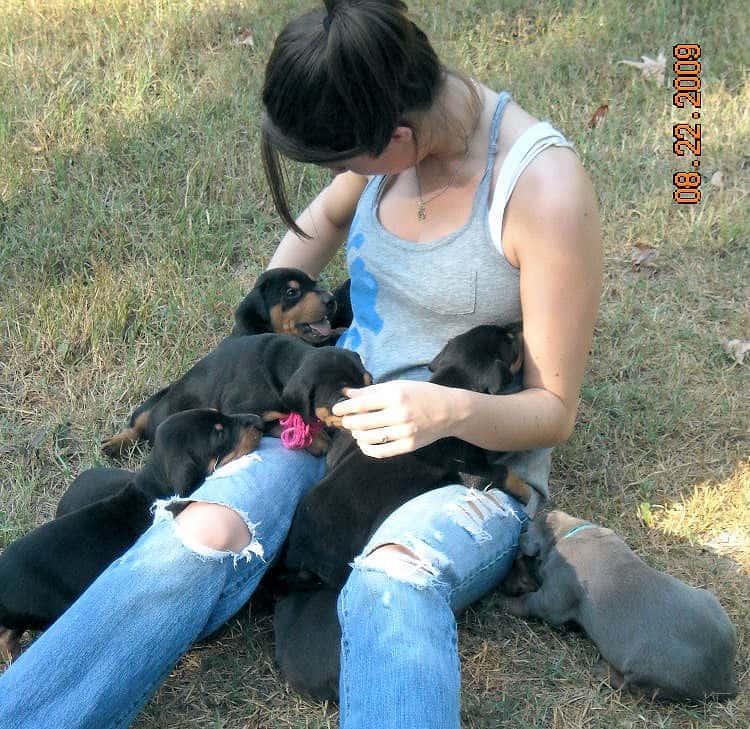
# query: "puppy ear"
{"type": "Point", "coordinates": [299, 393]}
{"type": "Point", "coordinates": [251, 316]}
{"type": "Point", "coordinates": [185, 473]}
{"type": "Point", "coordinates": [342, 296]}
{"type": "Point", "coordinates": [531, 541]}
{"type": "Point", "coordinates": [497, 377]}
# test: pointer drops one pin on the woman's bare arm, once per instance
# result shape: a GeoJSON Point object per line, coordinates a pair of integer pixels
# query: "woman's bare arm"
{"type": "Point", "coordinates": [327, 220]}
{"type": "Point", "coordinates": [552, 232]}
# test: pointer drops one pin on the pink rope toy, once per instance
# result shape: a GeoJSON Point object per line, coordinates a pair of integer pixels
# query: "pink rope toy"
{"type": "Point", "coordinates": [297, 433]}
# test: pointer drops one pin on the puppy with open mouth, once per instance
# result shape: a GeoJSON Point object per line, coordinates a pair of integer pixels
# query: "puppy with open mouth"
{"type": "Point", "coordinates": [288, 301]}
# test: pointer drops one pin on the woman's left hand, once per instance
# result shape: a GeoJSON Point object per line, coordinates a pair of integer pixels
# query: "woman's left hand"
{"type": "Point", "coordinates": [398, 416]}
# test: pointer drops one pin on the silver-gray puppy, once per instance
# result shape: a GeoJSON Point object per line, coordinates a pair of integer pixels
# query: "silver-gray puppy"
{"type": "Point", "coordinates": [658, 635]}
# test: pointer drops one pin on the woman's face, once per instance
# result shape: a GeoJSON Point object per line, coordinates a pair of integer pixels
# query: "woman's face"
{"type": "Point", "coordinates": [398, 156]}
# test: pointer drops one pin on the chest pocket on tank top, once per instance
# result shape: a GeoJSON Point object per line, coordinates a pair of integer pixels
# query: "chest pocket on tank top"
{"type": "Point", "coordinates": [437, 288]}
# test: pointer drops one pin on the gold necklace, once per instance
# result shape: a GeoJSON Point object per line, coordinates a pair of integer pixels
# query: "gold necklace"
{"type": "Point", "coordinates": [422, 204]}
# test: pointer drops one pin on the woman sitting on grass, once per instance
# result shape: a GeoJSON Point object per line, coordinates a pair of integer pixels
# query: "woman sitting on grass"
{"type": "Point", "coordinates": [458, 209]}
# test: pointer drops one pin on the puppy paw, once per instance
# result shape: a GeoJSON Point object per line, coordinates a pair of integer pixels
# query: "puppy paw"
{"type": "Point", "coordinates": [331, 420]}
{"type": "Point", "coordinates": [320, 445]}
{"type": "Point", "coordinates": [116, 445]}
{"type": "Point", "coordinates": [606, 673]}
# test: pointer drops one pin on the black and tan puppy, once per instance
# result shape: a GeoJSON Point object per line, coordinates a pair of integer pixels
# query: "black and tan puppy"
{"type": "Point", "coordinates": [288, 301]}
{"type": "Point", "coordinates": [269, 374]}
{"type": "Point", "coordinates": [44, 572]}
{"type": "Point", "coordinates": [335, 518]}
{"type": "Point", "coordinates": [658, 635]}
{"type": "Point", "coordinates": [283, 301]}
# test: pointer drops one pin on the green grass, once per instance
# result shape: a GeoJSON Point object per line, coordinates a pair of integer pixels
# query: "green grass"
{"type": "Point", "coordinates": [134, 216]}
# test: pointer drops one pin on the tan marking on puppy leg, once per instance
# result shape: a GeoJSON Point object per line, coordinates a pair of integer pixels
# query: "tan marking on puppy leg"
{"type": "Point", "coordinates": [331, 420]}
{"type": "Point", "coordinates": [270, 415]}
{"type": "Point", "coordinates": [115, 445]}
{"type": "Point", "coordinates": [517, 488]}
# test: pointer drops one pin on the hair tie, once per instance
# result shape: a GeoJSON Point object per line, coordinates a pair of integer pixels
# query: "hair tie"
{"type": "Point", "coordinates": [327, 22]}
{"type": "Point", "coordinates": [296, 433]}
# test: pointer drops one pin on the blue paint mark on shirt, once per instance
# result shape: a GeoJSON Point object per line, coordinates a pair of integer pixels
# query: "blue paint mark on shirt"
{"type": "Point", "coordinates": [364, 293]}
{"type": "Point", "coordinates": [356, 241]}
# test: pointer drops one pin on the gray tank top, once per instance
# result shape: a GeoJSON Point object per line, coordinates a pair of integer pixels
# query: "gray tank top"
{"type": "Point", "coordinates": [409, 299]}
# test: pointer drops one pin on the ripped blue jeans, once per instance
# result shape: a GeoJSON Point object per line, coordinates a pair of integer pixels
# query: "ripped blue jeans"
{"type": "Point", "coordinates": [99, 663]}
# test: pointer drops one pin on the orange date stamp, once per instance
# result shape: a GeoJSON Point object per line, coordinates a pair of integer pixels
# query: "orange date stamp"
{"type": "Point", "coordinates": [686, 136]}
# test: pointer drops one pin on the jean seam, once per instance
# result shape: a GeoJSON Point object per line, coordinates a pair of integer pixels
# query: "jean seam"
{"type": "Point", "coordinates": [343, 688]}
{"type": "Point", "coordinates": [476, 572]}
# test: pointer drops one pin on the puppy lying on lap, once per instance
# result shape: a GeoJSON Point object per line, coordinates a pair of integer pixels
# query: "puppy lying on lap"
{"type": "Point", "coordinates": [268, 374]}
{"type": "Point", "coordinates": [283, 301]}
{"type": "Point", "coordinates": [658, 635]}
{"type": "Point", "coordinates": [338, 515]}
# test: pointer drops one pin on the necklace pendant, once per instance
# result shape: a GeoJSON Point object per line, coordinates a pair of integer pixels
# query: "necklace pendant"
{"type": "Point", "coordinates": [421, 211]}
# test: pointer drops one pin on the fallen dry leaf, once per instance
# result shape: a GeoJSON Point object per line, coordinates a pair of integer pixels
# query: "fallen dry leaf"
{"type": "Point", "coordinates": [717, 179]}
{"type": "Point", "coordinates": [644, 255]}
{"type": "Point", "coordinates": [245, 38]}
{"type": "Point", "coordinates": [598, 116]}
{"type": "Point", "coordinates": [736, 348]}
{"type": "Point", "coordinates": [650, 67]}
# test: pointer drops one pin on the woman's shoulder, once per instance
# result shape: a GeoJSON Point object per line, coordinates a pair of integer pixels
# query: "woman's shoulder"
{"type": "Point", "coordinates": [340, 197]}
{"type": "Point", "coordinates": [552, 183]}
{"type": "Point", "coordinates": [549, 167]}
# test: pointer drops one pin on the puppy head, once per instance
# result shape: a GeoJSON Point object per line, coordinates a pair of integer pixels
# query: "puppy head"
{"type": "Point", "coordinates": [484, 359]}
{"type": "Point", "coordinates": [545, 531]}
{"type": "Point", "coordinates": [317, 384]}
{"type": "Point", "coordinates": [286, 301]}
{"type": "Point", "coordinates": [190, 445]}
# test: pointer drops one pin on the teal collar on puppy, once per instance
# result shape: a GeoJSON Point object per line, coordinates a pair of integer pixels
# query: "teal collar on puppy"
{"type": "Point", "coordinates": [577, 529]}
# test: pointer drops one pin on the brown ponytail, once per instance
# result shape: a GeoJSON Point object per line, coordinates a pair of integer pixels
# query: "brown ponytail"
{"type": "Point", "coordinates": [338, 82]}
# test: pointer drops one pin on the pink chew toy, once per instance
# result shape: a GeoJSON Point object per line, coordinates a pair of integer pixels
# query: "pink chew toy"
{"type": "Point", "coordinates": [297, 433]}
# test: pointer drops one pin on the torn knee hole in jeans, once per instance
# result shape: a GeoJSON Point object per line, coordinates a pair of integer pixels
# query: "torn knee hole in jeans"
{"type": "Point", "coordinates": [168, 509]}
{"type": "Point", "coordinates": [413, 561]}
